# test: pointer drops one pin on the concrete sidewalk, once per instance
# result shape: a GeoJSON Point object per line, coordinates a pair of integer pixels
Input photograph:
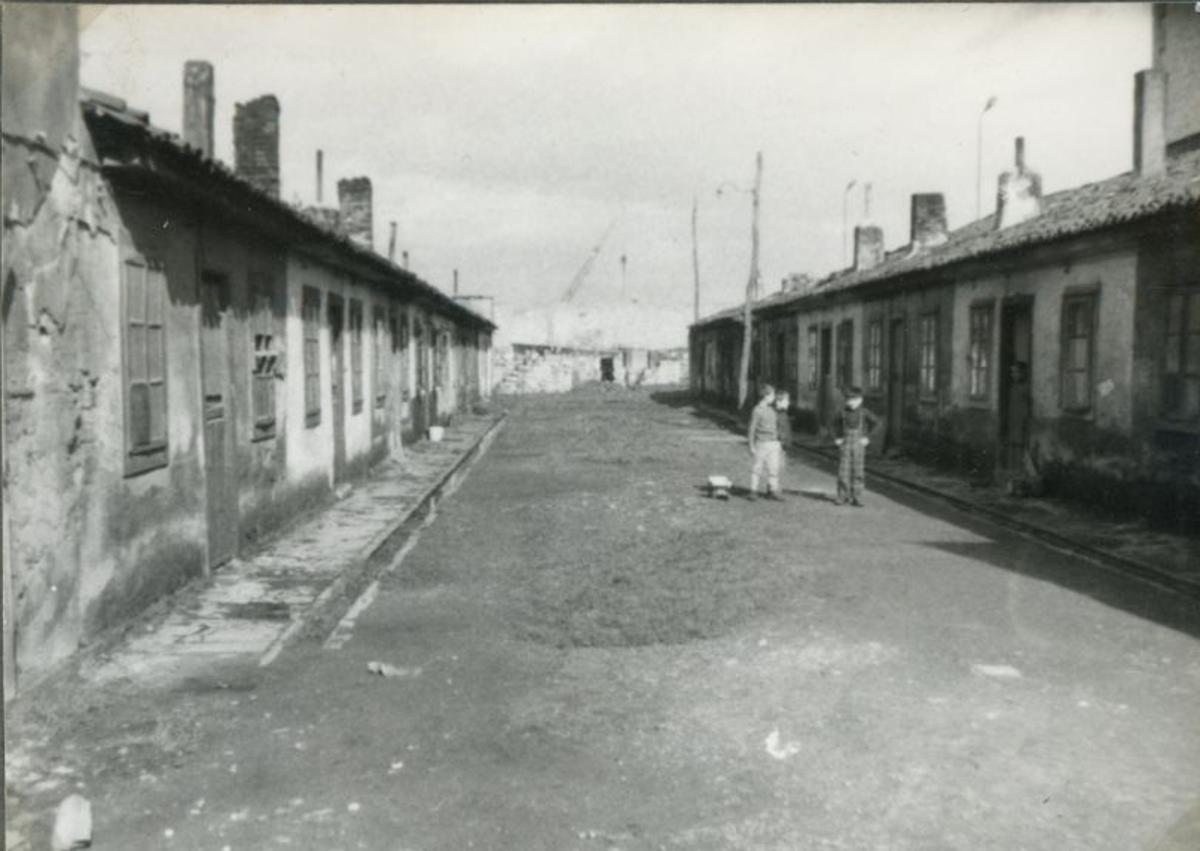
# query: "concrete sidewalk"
{"type": "Point", "coordinates": [252, 607]}
{"type": "Point", "coordinates": [1129, 546]}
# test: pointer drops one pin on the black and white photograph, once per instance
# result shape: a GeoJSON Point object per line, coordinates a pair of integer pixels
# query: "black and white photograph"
{"type": "Point", "coordinates": [601, 426]}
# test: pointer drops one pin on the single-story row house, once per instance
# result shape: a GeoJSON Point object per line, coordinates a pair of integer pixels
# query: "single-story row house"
{"type": "Point", "coordinates": [1058, 337]}
{"type": "Point", "coordinates": [189, 362]}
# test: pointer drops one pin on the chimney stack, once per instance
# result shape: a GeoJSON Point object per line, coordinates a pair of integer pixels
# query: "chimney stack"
{"type": "Point", "coordinates": [320, 176]}
{"type": "Point", "coordinates": [354, 199]}
{"type": "Point", "coordinates": [1149, 123]}
{"type": "Point", "coordinates": [1019, 196]}
{"type": "Point", "coordinates": [392, 243]}
{"type": "Point", "coordinates": [198, 78]}
{"type": "Point", "coordinates": [928, 220]}
{"type": "Point", "coordinates": [868, 247]}
{"type": "Point", "coordinates": [256, 143]}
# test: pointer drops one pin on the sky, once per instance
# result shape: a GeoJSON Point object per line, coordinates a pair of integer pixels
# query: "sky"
{"type": "Point", "coordinates": [506, 140]}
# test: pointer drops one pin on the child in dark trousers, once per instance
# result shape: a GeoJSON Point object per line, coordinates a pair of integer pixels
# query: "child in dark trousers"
{"type": "Point", "coordinates": [852, 428]}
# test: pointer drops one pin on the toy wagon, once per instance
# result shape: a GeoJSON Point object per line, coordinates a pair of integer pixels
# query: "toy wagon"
{"type": "Point", "coordinates": [718, 487]}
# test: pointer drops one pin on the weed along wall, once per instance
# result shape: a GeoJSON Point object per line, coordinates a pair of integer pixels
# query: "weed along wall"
{"type": "Point", "coordinates": [189, 363]}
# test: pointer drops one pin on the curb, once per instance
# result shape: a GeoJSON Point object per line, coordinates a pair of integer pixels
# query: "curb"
{"type": "Point", "coordinates": [1117, 563]}
{"type": "Point", "coordinates": [358, 568]}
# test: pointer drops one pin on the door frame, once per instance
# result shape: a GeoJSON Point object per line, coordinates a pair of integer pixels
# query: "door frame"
{"type": "Point", "coordinates": [1011, 307]}
{"type": "Point", "coordinates": [897, 342]}
{"type": "Point", "coordinates": [215, 556]}
{"type": "Point", "coordinates": [335, 321]}
{"type": "Point", "coordinates": [824, 374]}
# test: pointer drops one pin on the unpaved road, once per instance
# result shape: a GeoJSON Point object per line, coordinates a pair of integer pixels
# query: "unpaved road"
{"type": "Point", "coordinates": [596, 656]}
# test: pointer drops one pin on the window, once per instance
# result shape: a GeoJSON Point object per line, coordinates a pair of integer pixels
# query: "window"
{"type": "Point", "coordinates": [929, 354]}
{"type": "Point", "coordinates": [979, 356]}
{"type": "Point", "coordinates": [845, 353]}
{"type": "Point", "coordinates": [422, 355]}
{"type": "Point", "coordinates": [814, 336]}
{"type": "Point", "coordinates": [356, 355]}
{"type": "Point", "coordinates": [379, 363]}
{"type": "Point", "coordinates": [792, 355]}
{"type": "Point", "coordinates": [311, 312]}
{"type": "Point", "coordinates": [441, 373]}
{"type": "Point", "coordinates": [145, 365]}
{"type": "Point", "coordinates": [1078, 319]}
{"type": "Point", "coordinates": [263, 357]}
{"type": "Point", "coordinates": [875, 355]}
{"type": "Point", "coordinates": [1181, 378]}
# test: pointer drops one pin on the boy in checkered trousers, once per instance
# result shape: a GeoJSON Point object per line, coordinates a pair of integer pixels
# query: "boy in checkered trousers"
{"type": "Point", "coordinates": [852, 429]}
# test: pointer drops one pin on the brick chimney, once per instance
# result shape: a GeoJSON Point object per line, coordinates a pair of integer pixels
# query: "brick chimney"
{"type": "Point", "coordinates": [198, 78]}
{"type": "Point", "coordinates": [928, 220]}
{"type": "Point", "coordinates": [1149, 122]}
{"type": "Point", "coordinates": [354, 199]}
{"type": "Point", "coordinates": [256, 143]}
{"type": "Point", "coordinates": [868, 247]}
{"type": "Point", "coordinates": [1019, 196]}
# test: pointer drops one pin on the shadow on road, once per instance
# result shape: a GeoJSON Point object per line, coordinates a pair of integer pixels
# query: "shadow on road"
{"type": "Point", "coordinates": [1007, 549]}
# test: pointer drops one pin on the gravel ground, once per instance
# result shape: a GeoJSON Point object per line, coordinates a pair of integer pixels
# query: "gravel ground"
{"type": "Point", "coordinates": [595, 655]}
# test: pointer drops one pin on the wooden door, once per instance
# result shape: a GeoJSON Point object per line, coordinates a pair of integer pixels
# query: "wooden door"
{"type": "Point", "coordinates": [895, 385]}
{"type": "Point", "coordinates": [220, 478]}
{"type": "Point", "coordinates": [337, 383]}
{"type": "Point", "coordinates": [1016, 352]}
{"type": "Point", "coordinates": [825, 380]}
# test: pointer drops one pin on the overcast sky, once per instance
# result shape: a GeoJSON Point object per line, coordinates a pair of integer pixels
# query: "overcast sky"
{"type": "Point", "coordinates": [504, 140]}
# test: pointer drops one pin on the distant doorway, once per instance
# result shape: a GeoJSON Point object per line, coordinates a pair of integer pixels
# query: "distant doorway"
{"type": "Point", "coordinates": [895, 386]}
{"type": "Point", "coordinates": [608, 371]}
{"type": "Point", "coordinates": [1016, 397]}
{"type": "Point", "coordinates": [219, 471]}
{"type": "Point", "coordinates": [825, 379]}
{"type": "Point", "coordinates": [337, 385]}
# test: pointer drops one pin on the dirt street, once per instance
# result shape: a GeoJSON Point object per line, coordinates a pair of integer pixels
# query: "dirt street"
{"type": "Point", "coordinates": [589, 653]}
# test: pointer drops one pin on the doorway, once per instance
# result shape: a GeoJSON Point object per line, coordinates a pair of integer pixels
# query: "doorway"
{"type": "Point", "coordinates": [221, 497]}
{"type": "Point", "coordinates": [1016, 369]}
{"type": "Point", "coordinates": [337, 323]}
{"type": "Point", "coordinates": [895, 386]}
{"type": "Point", "coordinates": [825, 379]}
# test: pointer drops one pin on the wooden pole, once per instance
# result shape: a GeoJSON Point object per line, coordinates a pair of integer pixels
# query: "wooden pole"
{"type": "Point", "coordinates": [695, 266]}
{"type": "Point", "coordinates": [751, 290]}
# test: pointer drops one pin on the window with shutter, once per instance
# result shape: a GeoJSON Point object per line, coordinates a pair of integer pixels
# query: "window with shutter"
{"type": "Point", "coordinates": [1078, 332]}
{"type": "Point", "coordinates": [379, 365]}
{"type": "Point", "coordinates": [144, 300]}
{"type": "Point", "coordinates": [929, 354]}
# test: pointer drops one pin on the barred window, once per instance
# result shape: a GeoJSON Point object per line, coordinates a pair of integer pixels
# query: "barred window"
{"type": "Point", "coordinates": [264, 359]}
{"type": "Point", "coordinates": [311, 312]}
{"type": "Point", "coordinates": [929, 354]}
{"type": "Point", "coordinates": [1181, 368]}
{"type": "Point", "coordinates": [980, 351]}
{"type": "Point", "coordinates": [875, 355]}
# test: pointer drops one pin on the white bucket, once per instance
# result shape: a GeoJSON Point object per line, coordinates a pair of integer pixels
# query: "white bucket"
{"type": "Point", "coordinates": [436, 433]}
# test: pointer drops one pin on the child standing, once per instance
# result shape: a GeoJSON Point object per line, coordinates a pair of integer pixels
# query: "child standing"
{"type": "Point", "coordinates": [783, 426]}
{"type": "Point", "coordinates": [765, 447]}
{"type": "Point", "coordinates": [852, 430]}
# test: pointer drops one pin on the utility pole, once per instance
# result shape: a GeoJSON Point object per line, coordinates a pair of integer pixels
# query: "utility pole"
{"type": "Point", "coordinates": [695, 266]}
{"type": "Point", "coordinates": [751, 289]}
{"type": "Point", "coordinates": [624, 259]}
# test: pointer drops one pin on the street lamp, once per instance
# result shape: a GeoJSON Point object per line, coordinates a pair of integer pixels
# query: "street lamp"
{"type": "Point", "coordinates": [846, 222]}
{"type": "Point", "coordinates": [979, 157]}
